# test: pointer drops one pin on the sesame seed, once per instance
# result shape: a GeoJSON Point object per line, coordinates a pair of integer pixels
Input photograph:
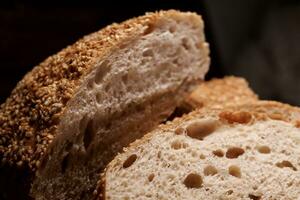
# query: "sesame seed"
{"type": "Point", "coordinates": [35, 105]}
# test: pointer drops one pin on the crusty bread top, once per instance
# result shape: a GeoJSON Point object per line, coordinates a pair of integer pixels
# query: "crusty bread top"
{"type": "Point", "coordinates": [221, 92]}
{"type": "Point", "coordinates": [29, 117]}
{"type": "Point", "coordinates": [247, 114]}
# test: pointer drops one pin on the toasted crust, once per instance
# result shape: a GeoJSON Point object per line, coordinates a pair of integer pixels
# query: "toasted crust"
{"type": "Point", "coordinates": [29, 117]}
{"type": "Point", "coordinates": [246, 113]}
{"type": "Point", "coordinates": [227, 91]}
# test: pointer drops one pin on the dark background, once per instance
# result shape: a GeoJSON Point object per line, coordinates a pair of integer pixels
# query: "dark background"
{"type": "Point", "coordinates": [259, 40]}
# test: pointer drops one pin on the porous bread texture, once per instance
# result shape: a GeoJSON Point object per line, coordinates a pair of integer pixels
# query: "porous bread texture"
{"type": "Point", "coordinates": [243, 152]}
{"type": "Point", "coordinates": [70, 115]}
{"type": "Point", "coordinates": [221, 92]}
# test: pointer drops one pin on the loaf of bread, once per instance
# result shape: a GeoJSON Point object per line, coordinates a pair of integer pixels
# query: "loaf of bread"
{"type": "Point", "coordinates": [72, 113]}
{"type": "Point", "coordinates": [218, 92]}
{"type": "Point", "coordinates": [222, 92]}
{"type": "Point", "coordinates": [241, 152]}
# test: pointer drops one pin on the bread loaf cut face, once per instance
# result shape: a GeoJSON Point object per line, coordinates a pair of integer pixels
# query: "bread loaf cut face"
{"type": "Point", "coordinates": [71, 114]}
{"type": "Point", "coordinates": [245, 152]}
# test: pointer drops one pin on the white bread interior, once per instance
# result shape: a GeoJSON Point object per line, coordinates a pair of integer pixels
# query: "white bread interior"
{"type": "Point", "coordinates": [247, 152]}
{"type": "Point", "coordinates": [126, 94]}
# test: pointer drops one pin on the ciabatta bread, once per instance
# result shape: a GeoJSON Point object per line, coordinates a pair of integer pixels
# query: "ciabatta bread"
{"type": "Point", "coordinates": [244, 152]}
{"type": "Point", "coordinates": [72, 113]}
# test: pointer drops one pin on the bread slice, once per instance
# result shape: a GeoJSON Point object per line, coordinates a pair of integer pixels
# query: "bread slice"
{"type": "Point", "coordinates": [243, 152]}
{"type": "Point", "coordinates": [221, 92]}
{"type": "Point", "coordinates": [218, 92]}
{"type": "Point", "coordinates": [70, 115]}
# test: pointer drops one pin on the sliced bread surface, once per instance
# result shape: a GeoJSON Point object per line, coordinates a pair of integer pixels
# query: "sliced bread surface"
{"type": "Point", "coordinates": [72, 113]}
{"type": "Point", "coordinates": [244, 152]}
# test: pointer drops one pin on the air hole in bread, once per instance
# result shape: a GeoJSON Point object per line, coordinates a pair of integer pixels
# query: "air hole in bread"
{"type": "Point", "coordinates": [286, 163]}
{"type": "Point", "coordinates": [236, 117]}
{"type": "Point", "coordinates": [264, 149]}
{"type": "Point", "coordinates": [193, 180]}
{"type": "Point", "coordinates": [150, 177]}
{"type": "Point", "coordinates": [89, 134]}
{"type": "Point", "coordinates": [176, 61]}
{"type": "Point", "coordinates": [179, 131]}
{"type": "Point", "coordinates": [254, 197]}
{"type": "Point", "coordinates": [177, 144]}
{"type": "Point", "coordinates": [98, 98]}
{"type": "Point", "coordinates": [65, 163]}
{"type": "Point", "coordinates": [159, 154]}
{"type": "Point", "coordinates": [210, 170]}
{"type": "Point", "coordinates": [194, 154]}
{"type": "Point", "coordinates": [229, 192]}
{"type": "Point", "coordinates": [297, 124]}
{"type": "Point", "coordinates": [200, 129]}
{"type": "Point", "coordinates": [172, 29]}
{"type": "Point", "coordinates": [289, 184]}
{"type": "Point", "coordinates": [125, 78]}
{"type": "Point", "coordinates": [129, 161]}
{"type": "Point", "coordinates": [185, 43]}
{"type": "Point", "coordinates": [218, 153]}
{"type": "Point", "coordinates": [234, 152]}
{"type": "Point", "coordinates": [103, 69]}
{"type": "Point", "coordinates": [148, 53]}
{"type": "Point", "coordinates": [234, 170]}
{"type": "Point", "coordinates": [202, 156]}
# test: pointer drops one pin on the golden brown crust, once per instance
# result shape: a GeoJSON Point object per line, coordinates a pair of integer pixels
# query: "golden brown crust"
{"type": "Point", "coordinates": [29, 117]}
{"type": "Point", "coordinates": [221, 92]}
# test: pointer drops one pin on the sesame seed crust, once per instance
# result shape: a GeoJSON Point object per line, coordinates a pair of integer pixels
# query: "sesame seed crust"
{"type": "Point", "coordinates": [30, 116]}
